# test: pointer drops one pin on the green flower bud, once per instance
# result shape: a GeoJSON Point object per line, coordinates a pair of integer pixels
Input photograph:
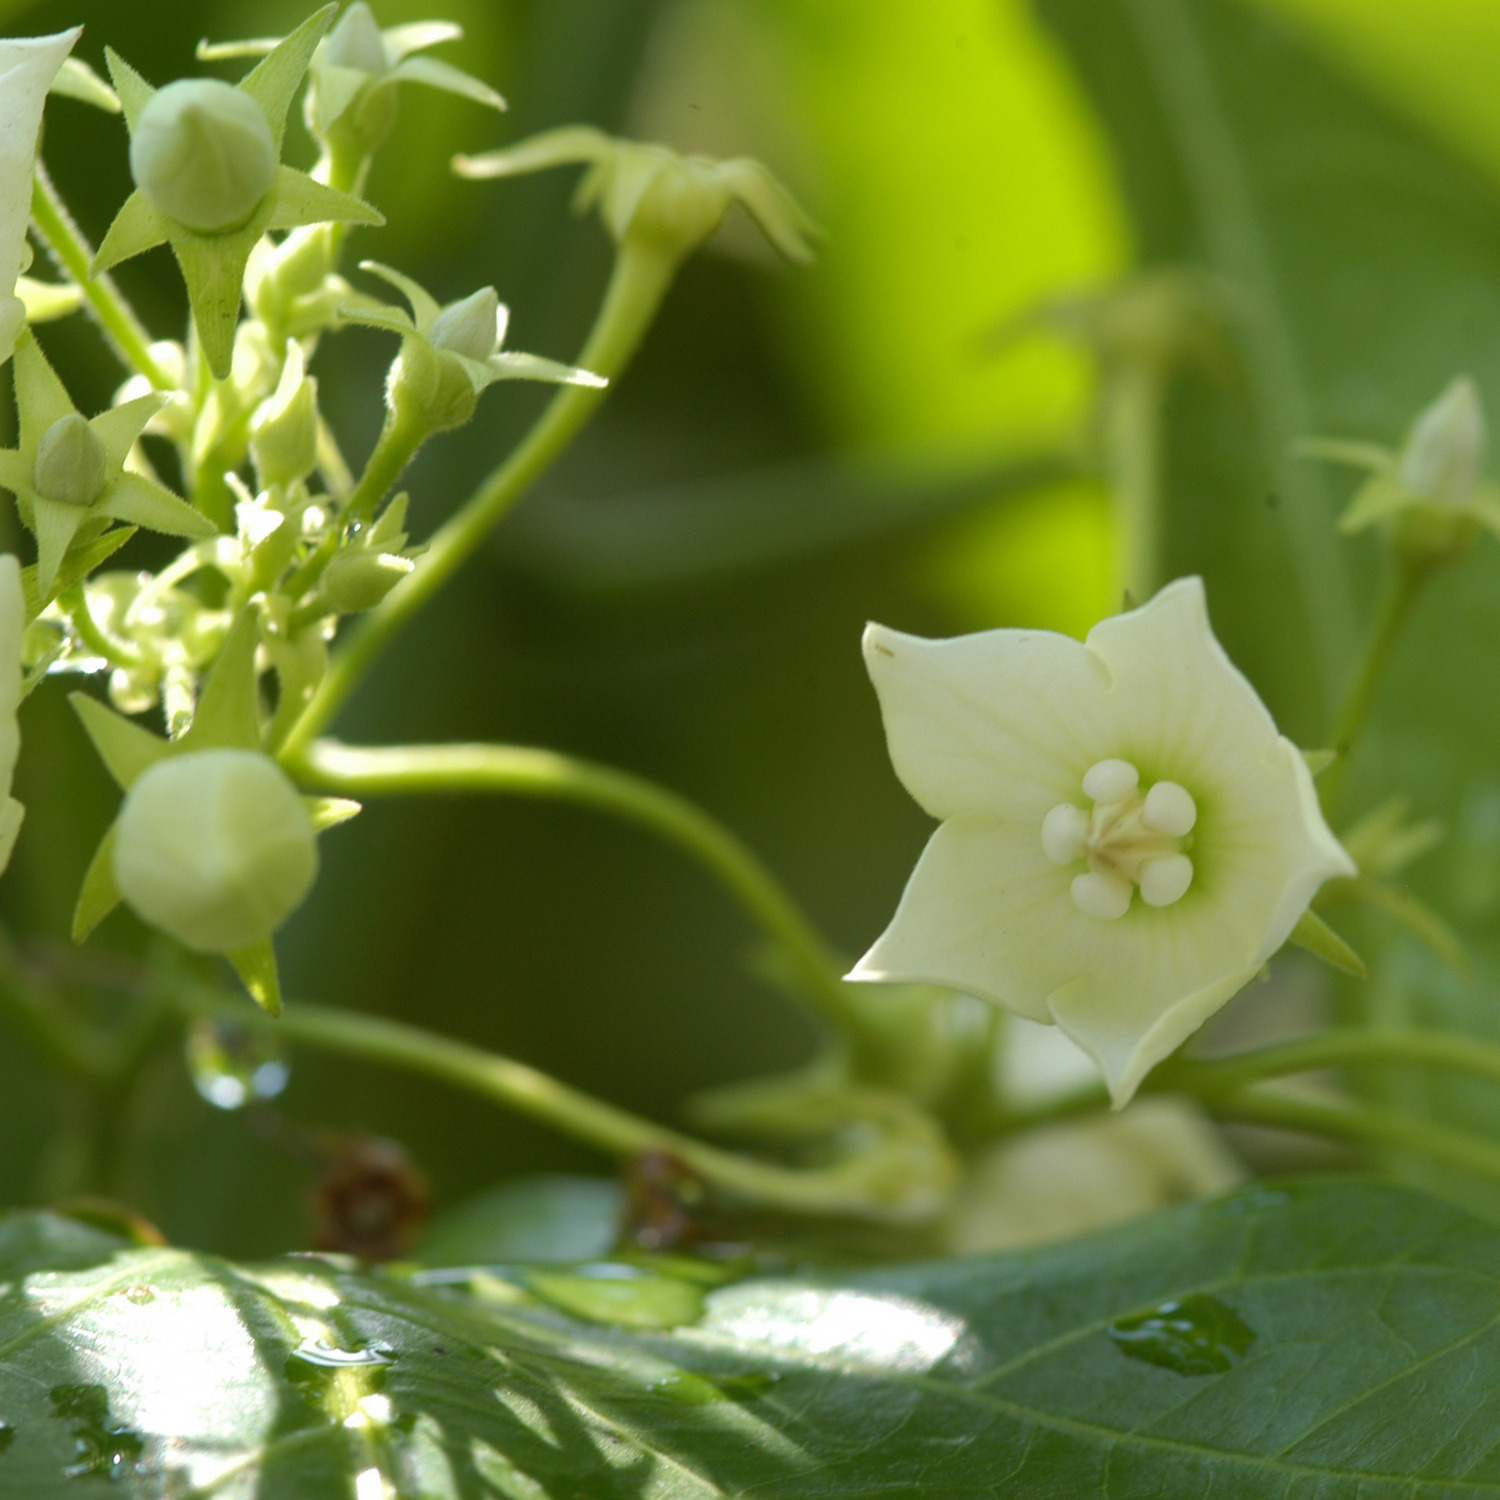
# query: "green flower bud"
{"type": "Point", "coordinates": [355, 42]}
{"type": "Point", "coordinates": [430, 386]}
{"type": "Point", "coordinates": [1444, 455]}
{"type": "Point", "coordinates": [203, 154]}
{"type": "Point", "coordinates": [359, 579]}
{"type": "Point", "coordinates": [71, 462]}
{"type": "Point", "coordinates": [284, 434]}
{"type": "Point", "coordinates": [471, 327]}
{"type": "Point", "coordinates": [215, 848]}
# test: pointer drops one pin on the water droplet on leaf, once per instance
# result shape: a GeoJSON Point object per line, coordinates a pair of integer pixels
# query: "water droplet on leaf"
{"type": "Point", "coordinates": [233, 1065]}
{"type": "Point", "coordinates": [1195, 1335]}
{"type": "Point", "coordinates": [101, 1445]}
{"type": "Point", "coordinates": [320, 1352]}
{"type": "Point", "coordinates": [7, 1436]}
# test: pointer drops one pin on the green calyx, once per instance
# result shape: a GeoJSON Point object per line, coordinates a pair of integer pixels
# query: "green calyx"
{"type": "Point", "coordinates": [69, 477]}
{"type": "Point", "coordinates": [209, 186]}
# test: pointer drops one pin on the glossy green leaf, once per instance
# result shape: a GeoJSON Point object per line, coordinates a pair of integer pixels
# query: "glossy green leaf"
{"type": "Point", "coordinates": [1329, 1339]}
{"type": "Point", "coordinates": [543, 1218]}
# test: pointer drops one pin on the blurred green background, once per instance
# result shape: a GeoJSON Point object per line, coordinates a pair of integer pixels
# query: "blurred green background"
{"type": "Point", "coordinates": [795, 452]}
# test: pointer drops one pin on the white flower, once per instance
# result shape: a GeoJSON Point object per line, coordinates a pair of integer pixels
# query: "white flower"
{"type": "Point", "coordinates": [27, 67]}
{"type": "Point", "coordinates": [1073, 779]}
{"type": "Point", "coordinates": [12, 628]}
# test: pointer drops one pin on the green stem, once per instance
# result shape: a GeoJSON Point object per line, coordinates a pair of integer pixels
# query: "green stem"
{"type": "Point", "coordinates": [1400, 594]}
{"type": "Point", "coordinates": [1365, 1125]}
{"type": "Point", "coordinates": [1210, 1079]}
{"type": "Point", "coordinates": [446, 769]}
{"type": "Point", "coordinates": [1132, 437]}
{"type": "Point", "coordinates": [397, 446]}
{"type": "Point", "coordinates": [115, 651]}
{"type": "Point", "coordinates": [829, 1190]}
{"type": "Point", "coordinates": [639, 282]}
{"type": "Point", "coordinates": [73, 253]}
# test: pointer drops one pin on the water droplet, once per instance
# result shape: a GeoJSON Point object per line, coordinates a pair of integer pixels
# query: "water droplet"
{"type": "Point", "coordinates": [7, 1436]}
{"type": "Point", "coordinates": [234, 1065]}
{"type": "Point", "coordinates": [748, 1387]}
{"type": "Point", "coordinates": [1195, 1335]}
{"type": "Point", "coordinates": [320, 1352]}
{"type": "Point", "coordinates": [101, 1446]}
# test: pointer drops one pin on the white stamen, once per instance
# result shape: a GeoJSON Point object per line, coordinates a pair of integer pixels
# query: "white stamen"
{"type": "Point", "coordinates": [1111, 781]}
{"type": "Point", "coordinates": [1166, 879]}
{"type": "Point", "coordinates": [1064, 832]}
{"type": "Point", "coordinates": [1105, 897]}
{"type": "Point", "coordinates": [1170, 809]}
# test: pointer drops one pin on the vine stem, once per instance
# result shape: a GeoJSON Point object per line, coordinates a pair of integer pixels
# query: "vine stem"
{"type": "Point", "coordinates": [823, 1190]}
{"type": "Point", "coordinates": [447, 769]}
{"type": "Point", "coordinates": [639, 282]}
{"type": "Point", "coordinates": [131, 340]}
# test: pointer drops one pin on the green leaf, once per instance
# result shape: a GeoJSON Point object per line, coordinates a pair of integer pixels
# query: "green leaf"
{"type": "Point", "coordinates": [256, 966]}
{"type": "Point", "coordinates": [543, 1218]}
{"type": "Point", "coordinates": [98, 895]}
{"type": "Point", "coordinates": [273, 82]}
{"type": "Point", "coordinates": [228, 714]}
{"type": "Point", "coordinates": [1314, 935]}
{"type": "Point", "coordinates": [1346, 1349]}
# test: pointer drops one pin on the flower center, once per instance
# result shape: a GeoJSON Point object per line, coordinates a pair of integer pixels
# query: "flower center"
{"type": "Point", "coordinates": [1129, 840]}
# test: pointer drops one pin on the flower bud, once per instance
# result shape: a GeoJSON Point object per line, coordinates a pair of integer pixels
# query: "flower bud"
{"type": "Point", "coordinates": [470, 327]}
{"type": "Point", "coordinates": [1444, 456]}
{"type": "Point", "coordinates": [215, 848]}
{"type": "Point", "coordinates": [71, 462]}
{"type": "Point", "coordinates": [357, 578]}
{"type": "Point", "coordinates": [356, 42]}
{"type": "Point", "coordinates": [203, 154]}
{"type": "Point", "coordinates": [431, 387]}
{"type": "Point", "coordinates": [284, 435]}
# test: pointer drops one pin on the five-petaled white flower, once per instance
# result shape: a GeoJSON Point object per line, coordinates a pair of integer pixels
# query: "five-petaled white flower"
{"type": "Point", "coordinates": [1126, 838]}
{"type": "Point", "coordinates": [27, 67]}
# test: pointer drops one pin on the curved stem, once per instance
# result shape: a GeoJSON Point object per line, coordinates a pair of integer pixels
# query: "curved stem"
{"type": "Point", "coordinates": [395, 448]}
{"type": "Point", "coordinates": [73, 253]}
{"type": "Point", "coordinates": [827, 1190]}
{"type": "Point", "coordinates": [1362, 1124]}
{"type": "Point", "coordinates": [442, 770]}
{"type": "Point", "coordinates": [635, 291]}
{"type": "Point", "coordinates": [1209, 1079]}
{"type": "Point", "coordinates": [93, 635]}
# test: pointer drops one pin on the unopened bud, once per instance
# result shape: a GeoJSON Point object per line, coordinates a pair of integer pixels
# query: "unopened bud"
{"type": "Point", "coordinates": [215, 848]}
{"type": "Point", "coordinates": [356, 42]}
{"type": "Point", "coordinates": [1444, 456]}
{"type": "Point", "coordinates": [71, 462]}
{"type": "Point", "coordinates": [359, 579]}
{"type": "Point", "coordinates": [471, 327]}
{"type": "Point", "coordinates": [203, 154]}
{"type": "Point", "coordinates": [430, 387]}
{"type": "Point", "coordinates": [284, 436]}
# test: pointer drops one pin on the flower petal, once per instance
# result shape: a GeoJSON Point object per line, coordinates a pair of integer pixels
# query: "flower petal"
{"type": "Point", "coordinates": [1005, 722]}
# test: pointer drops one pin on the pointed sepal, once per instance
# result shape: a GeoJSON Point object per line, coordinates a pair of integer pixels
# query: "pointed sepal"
{"type": "Point", "coordinates": [125, 748]}
{"type": "Point", "coordinates": [228, 715]}
{"type": "Point", "coordinates": [99, 895]}
{"type": "Point", "coordinates": [142, 502]}
{"type": "Point", "coordinates": [329, 812]}
{"type": "Point", "coordinates": [133, 91]}
{"type": "Point", "coordinates": [76, 566]}
{"type": "Point", "coordinates": [1314, 935]}
{"type": "Point", "coordinates": [256, 966]}
{"type": "Point", "coordinates": [138, 227]}
{"type": "Point", "coordinates": [301, 200]}
{"type": "Point", "coordinates": [273, 82]}
{"type": "Point", "coordinates": [55, 523]}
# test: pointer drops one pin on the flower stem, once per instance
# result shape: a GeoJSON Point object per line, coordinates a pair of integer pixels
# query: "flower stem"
{"type": "Point", "coordinates": [836, 1189]}
{"type": "Point", "coordinates": [635, 291]}
{"type": "Point", "coordinates": [74, 255]}
{"type": "Point", "coordinates": [446, 769]}
{"type": "Point", "coordinates": [116, 652]}
{"type": "Point", "coordinates": [1400, 594]}
{"type": "Point", "coordinates": [1132, 437]}
{"type": "Point", "coordinates": [397, 446]}
{"type": "Point", "coordinates": [1210, 1079]}
{"type": "Point", "coordinates": [1362, 1124]}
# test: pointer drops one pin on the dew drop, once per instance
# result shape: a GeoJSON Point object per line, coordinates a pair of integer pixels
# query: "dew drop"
{"type": "Point", "coordinates": [320, 1352]}
{"type": "Point", "coordinates": [101, 1446]}
{"type": "Point", "coordinates": [7, 1436]}
{"type": "Point", "coordinates": [233, 1065]}
{"type": "Point", "coordinates": [1195, 1335]}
